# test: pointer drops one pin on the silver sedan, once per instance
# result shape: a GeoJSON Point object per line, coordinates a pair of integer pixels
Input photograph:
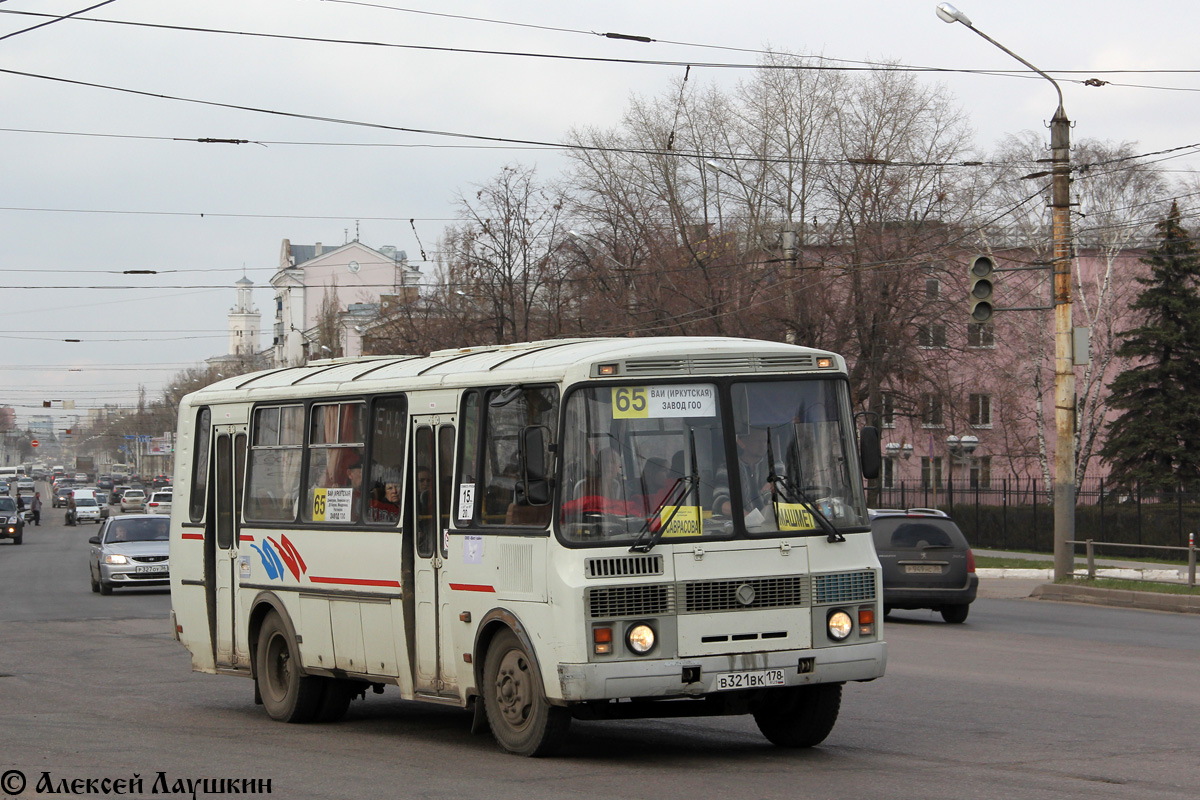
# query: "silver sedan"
{"type": "Point", "coordinates": [130, 551]}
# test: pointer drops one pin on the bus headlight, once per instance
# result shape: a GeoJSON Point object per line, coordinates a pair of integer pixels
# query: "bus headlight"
{"type": "Point", "coordinates": [839, 624]}
{"type": "Point", "coordinates": [640, 638]}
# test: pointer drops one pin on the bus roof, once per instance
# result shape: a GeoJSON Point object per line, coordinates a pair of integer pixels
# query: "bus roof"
{"type": "Point", "coordinates": [574, 359]}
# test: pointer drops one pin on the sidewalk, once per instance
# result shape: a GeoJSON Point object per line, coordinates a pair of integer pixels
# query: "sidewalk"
{"type": "Point", "coordinates": [1038, 583]}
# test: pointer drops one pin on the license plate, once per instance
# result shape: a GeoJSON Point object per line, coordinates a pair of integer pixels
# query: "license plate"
{"type": "Point", "coordinates": [932, 569]}
{"type": "Point", "coordinates": [749, 680]}
{"type": "Point", "coordinates": [150, 570]}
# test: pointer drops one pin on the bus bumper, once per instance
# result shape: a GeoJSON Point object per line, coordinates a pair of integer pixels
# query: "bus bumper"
{"type": "Point", "coordinates": [696, 677]}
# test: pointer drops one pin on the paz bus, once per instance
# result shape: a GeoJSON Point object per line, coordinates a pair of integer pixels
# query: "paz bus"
{"type": "Point", "coordinates": [542, 532]}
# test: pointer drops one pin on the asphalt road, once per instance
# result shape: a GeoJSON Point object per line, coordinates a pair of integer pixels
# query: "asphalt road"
{"type": "Point", "coordinates": [1027, 699]}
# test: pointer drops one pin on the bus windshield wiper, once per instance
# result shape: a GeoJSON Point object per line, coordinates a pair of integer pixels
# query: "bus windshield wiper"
{"type": "Point", "coordinates": [647, 537]}
{"type": "Point", "coordinates": [831, 533]}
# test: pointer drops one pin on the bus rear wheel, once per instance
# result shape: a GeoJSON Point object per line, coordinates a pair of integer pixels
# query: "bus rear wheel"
{"type": "Point", "coordinates": [287, 693]}
{"type": "Point", "coordinates": [522, 720]}
{"type": "Point", "coordinates": [801, 716]}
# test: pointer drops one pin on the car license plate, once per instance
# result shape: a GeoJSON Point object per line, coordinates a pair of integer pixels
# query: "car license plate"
{"type": "Point", "coordinates": [933, 569]}
{"type": "Point", "coordinates": [151, 570]}
{"type": "Point", "coordinates": [749, 680]}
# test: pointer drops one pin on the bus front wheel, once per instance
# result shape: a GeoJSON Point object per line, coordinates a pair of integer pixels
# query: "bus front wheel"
{"type": "Point", "coordinates": [287, 693]}
{"type": "Point", "coordinates": [522, 720]}
{"type": "Point", "coordinates": [801, 716]}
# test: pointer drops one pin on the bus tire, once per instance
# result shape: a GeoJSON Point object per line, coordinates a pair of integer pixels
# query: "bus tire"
{"type": "Point", "coordinates": [335, 699]}
{"type": "Point", "coordinates": [800, 716]}
{"type": "Point", "coordinates": [521, 718]}
{"type": "Point", "coordinates": [287, 693]}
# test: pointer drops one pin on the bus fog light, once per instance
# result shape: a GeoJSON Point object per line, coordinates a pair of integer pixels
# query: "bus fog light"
{"type": "Point", "coordinates": [840, 625]}
{"type": "Point", "coordinates": [640, 638]}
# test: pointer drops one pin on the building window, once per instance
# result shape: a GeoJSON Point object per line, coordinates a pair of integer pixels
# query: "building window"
{"type": "Point", "coordinates": [931, 472]}
{"type": "Point", "coordinates": [930, 336]}
{"type": "Point", "coordinates": [981, 334]}
{"type": "Point", "coordinates": [981, 473]}
{"type": "Point", "coordinates": [933, 289]}
{"type": "Point", "coordinates": [981, 411]}
{"type": "Point", "coordinates": [931, 411]}
{"type": "Point", "coordinates": [887, 410]}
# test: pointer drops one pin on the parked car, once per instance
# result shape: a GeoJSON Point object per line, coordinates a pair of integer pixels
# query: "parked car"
{"type": "Point", "coordinates": [12, 524]}
{"type": "Point", "coordinates": [130, 551]}
{"type": "Point", "coordinates": [133, 500]}
{"type": "Point", "coordinates": [159, 503]}
{"type": "Point", "coordinates": [926, 562]}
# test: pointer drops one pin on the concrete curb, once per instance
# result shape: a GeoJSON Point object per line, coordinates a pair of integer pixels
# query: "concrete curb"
{"type": "Point", "coordinates": [1118, 573]}
{"type": "Point", "coordinates": [1120, 598]}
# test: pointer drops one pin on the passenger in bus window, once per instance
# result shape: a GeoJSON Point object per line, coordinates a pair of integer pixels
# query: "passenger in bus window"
{"type": "Point", "coordinates": [385, 502]}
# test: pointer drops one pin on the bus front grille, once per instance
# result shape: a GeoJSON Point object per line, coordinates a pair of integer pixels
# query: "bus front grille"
{"type": "Point", "coordinates": [606, 602]}
{"type": "Point", "coordinates": [843, 587]}
{"type": "Point", "coordinates": [784, 592]}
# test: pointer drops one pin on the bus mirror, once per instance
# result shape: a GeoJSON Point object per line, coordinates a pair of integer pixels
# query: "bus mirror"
{"type": "Point", "coordinates": [869, 455]}
{"type": "Point", "coordinates": [534, 457]}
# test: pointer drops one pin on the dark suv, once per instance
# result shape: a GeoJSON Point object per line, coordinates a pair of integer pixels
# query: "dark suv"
{"type": "Point", "coordinates": [12, 522]}
{"type": "Point", "coordinates": [926, 562]}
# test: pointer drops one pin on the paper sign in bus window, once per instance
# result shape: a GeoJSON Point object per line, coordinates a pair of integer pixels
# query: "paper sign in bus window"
{"type": "Point", "coordinates": [661, 402]}
{"type": "Point", "coordinates": [794, 517]}
{"type": "Point", "coordinates": [332, 505]}
{"type": "Point", "coordinates": [684, 521]}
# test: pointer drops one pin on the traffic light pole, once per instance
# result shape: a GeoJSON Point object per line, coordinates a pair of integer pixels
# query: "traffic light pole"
{"type": "Point", "coordinates": [1064, 360]}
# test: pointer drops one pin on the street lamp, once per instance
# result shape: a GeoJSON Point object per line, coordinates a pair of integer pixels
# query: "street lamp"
{"type": "Point", "coordinates": [791, 254]}
{"type": "Point", "coordinates": [1064, 366]}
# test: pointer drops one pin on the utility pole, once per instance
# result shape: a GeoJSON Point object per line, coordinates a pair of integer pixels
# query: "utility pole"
{"type": "Point", "coordinates": [1064, 358]}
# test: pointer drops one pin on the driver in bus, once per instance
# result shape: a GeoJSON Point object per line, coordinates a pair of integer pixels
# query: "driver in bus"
{"type": "Point", "coordinates": [602, 490]}
{"type": "Point", "coordinates": [754, 470]}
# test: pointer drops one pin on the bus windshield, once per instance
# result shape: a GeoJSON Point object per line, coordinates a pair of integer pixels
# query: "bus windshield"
{"type": "Point", "coordinates": [651, 459]}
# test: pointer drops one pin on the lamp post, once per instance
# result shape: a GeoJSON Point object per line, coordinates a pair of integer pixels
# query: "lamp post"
{"type": "Point", "coordinates": [1064, 366]}
{"type": "Point", "coordinates": [791, 253]}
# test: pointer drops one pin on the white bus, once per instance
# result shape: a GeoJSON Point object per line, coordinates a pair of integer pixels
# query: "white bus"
{"type": "Point", "coordinates": [570, 529]}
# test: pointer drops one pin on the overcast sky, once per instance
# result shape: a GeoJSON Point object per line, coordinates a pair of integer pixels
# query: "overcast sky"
{"type": "Point", "coordinates": [95, 181]}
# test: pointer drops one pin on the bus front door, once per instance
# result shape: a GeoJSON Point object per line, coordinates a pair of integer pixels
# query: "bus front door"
{"type": "Point", "coordinates": [429, 479]}
{"type": "Point", "coordinates": [230, 458]}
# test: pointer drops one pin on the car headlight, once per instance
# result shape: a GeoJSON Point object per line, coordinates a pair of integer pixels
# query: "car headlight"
{"type": "Point", "coordinates": [640, 638]}
{"type": "Point", "coordinates": [839, 624]}
{"type": "Point", "coordinates": [115, 558]}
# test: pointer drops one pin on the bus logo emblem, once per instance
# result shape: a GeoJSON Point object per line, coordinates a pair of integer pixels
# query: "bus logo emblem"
{"type": "Point", "coordinates": [745, 594]}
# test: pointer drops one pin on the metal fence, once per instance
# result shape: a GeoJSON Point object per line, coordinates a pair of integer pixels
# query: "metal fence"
{"type": "Point", "coordinates": [1019, 513]}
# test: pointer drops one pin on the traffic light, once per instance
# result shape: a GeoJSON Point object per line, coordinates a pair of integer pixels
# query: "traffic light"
{"type": "Point", "coordinates": [980, 292]}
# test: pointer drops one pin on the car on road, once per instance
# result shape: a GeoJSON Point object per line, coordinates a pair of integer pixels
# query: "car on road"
{"type": "Point", "coordinates": [114, 496]}
{"type": "Point", "coordinates": [133, 499]}
{"type": "Point", "coordinates": [61, 495]}
{"type": "Point", "coordinates": [25, 486]}
{"type": "Point", "coordinates": [81, 477]}
{"type": "Point", "coordinates": [130, 551]}
{"type": "Point", "coordinates": [12, 523]}
{"type": "Point", "coordinates": [159, 503]}
{"type": "Point", "coordinates": [4, 487]}
{"type": "Point", "coordinates": [925, 561]}
{"type": "Point", "coordinates": [87, 505]}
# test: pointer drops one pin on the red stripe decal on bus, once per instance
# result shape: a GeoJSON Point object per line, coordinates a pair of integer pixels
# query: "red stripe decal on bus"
{"type": "Point", "coordinates": [245, 538]}
{"type": "Point", "coordinates": [355, 581]}
{"type": "Point", "coordinates": [197, 536]}
{"type": "Point", "coordinates": [471, 587]}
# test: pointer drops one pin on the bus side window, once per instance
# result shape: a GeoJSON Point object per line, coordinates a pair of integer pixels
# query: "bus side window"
{"type": "Point", "coordinates": [468, 467]}
{"type": "Point", "coordinates": [508, 414]}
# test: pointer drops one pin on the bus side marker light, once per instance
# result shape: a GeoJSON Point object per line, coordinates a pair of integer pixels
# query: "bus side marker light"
{"type": "Point", "coordinates": [467, 657]}
{"type": "Point", "coordinates": [464, 616]}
